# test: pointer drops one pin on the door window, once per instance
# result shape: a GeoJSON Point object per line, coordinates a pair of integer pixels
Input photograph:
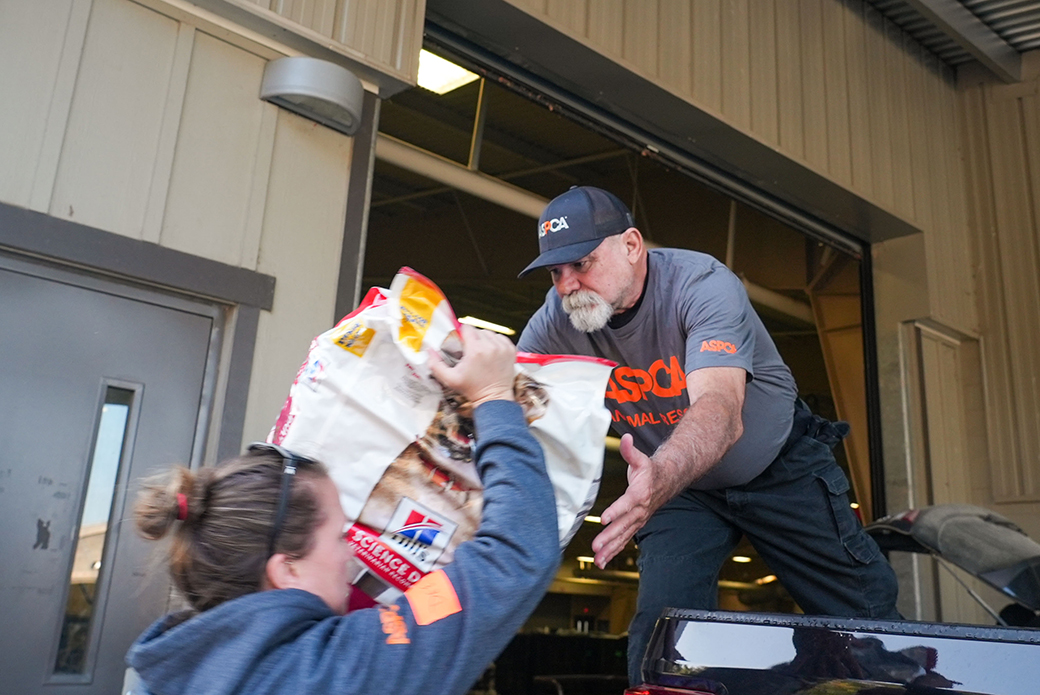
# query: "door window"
{"type": "Point", "coordinates": [110, 437]}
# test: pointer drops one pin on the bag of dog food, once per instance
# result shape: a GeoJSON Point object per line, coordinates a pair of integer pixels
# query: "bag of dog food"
{"type": "Point", "coordinates": [399, 446]}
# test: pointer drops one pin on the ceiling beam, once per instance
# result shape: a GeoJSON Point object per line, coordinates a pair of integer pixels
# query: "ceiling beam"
{"type": "Point", "coordinates": [505, 177]}
{"type": "Point", "coordinates": [973, 35]}
{"type": "Point", "coordinates": [453, 174]}
{"type": "Point", "coordinates": [425, 109]}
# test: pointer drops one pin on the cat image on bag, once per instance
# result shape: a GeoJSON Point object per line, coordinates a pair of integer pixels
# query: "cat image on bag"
{"type": "Point", "coordinates": [437, 471]}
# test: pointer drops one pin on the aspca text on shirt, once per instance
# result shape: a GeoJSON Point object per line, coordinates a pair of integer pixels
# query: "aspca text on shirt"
{"type": "Point", "coordinates": [646, 391]}
{"type": "Point", "coordinates": [640, 396]}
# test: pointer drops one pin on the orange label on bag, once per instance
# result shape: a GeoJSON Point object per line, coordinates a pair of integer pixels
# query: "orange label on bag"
{"type": "Point", "coordinates": [353, 336]}
{"type": "Point", "coordinates": [433, 597]}
{"type": "Point", "coordinates": [418, 302]}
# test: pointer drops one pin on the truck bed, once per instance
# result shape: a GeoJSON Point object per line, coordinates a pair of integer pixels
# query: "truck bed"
{"type": "Point", "coordinates": [724, 653]}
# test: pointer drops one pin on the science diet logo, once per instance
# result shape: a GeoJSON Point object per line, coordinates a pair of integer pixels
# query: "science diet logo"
{"type": "Point", "coordinates": [553, 225]}
{"type": "Point", "coordinates": [420, 527]}
{"type": "Point", "coordinates": [418, 532]}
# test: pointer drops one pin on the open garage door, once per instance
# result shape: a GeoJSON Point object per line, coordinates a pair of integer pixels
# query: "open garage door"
{"type": "Point", "coordinates": [459, 178]}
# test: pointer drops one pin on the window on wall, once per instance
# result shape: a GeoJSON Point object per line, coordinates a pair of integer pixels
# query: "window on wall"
{"type": "Point", "coordinates": [110, 436]}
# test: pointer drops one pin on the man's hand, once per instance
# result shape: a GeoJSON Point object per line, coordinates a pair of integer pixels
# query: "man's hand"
{"type": "Point", "coordinates": [707, 430]}
{"type": "Point", "coordinates": [485, 372]}
{"type": "Point", "coordinates": [631, 511]}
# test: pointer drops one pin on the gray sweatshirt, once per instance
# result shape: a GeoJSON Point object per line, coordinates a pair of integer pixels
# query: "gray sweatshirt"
{"type": "Point", "coordinates": [289, 641]}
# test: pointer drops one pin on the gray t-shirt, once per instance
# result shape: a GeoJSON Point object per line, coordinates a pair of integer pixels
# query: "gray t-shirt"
{"type": "Point", "coordinates": [695, 313]}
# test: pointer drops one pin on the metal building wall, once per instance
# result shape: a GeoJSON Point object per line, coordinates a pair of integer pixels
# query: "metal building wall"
{"type": "Point", "coordinates": [146, 122]}
{"type": "Point", "coordinates": [1000, 131]}
{"type": "Point", "coordinates": [383, 34]}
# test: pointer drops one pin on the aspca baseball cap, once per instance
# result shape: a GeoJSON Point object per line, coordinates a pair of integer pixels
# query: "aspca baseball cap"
{"type": "Point", "coordinates": [575, 223]}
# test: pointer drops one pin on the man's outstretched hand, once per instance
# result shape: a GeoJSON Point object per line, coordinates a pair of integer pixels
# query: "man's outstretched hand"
{"type": "Point", "coordinates": [631, 511]}
{"type": "Point", "coordinates": [706, 432]}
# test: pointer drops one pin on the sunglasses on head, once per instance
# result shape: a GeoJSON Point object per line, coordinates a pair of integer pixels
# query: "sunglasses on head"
{"type": "Point", "coordinates": [290, 462]}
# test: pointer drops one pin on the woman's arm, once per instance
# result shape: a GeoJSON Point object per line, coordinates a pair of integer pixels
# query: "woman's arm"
{"type": "Point", "coordinates": [441, 636]}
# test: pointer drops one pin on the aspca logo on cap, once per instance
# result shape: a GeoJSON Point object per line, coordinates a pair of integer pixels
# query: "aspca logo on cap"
{"type": "Point", "coordinates": [553, 225]}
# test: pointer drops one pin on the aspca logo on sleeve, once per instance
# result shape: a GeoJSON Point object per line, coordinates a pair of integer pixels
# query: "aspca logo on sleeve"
{"type": "Point", "coordinates": [718, 346]}
{"type": "Point", "coordinates": [553, 225]}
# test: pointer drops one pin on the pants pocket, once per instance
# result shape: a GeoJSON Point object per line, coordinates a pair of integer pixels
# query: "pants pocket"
{"type": "Point", "coordinates": [856, 541]}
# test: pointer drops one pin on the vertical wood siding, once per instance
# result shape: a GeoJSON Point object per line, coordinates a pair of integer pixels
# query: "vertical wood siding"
{"type": "Point", "coordinates": [130, 121]}
{"type": "Point", "coordinates": [386, 34]}
{"type": "Point", "coordinates": [216, 156]}
{"type": "Point", "coordinates": [300, 245]}
{"type": "Point", "coordinates": [831, 84]}
{"type": "Point", "coordinates": [23, 117]}
{"type": "Point", "coordinates": [736, 62]}
{"type": "Point", "coordinates": [1000, 126]}
{"type": "Point", "coordinates": [836, 89]}
{"type": "Point", "coordinates": [102, 180]}
{"type": "Point", "coordinates": [949, 368]}
{"type": "Point", "coordinates": [762, 59]}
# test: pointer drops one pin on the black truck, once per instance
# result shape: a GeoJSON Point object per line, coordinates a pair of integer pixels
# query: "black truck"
{"type": "Point", "coordinates": [724, 653]}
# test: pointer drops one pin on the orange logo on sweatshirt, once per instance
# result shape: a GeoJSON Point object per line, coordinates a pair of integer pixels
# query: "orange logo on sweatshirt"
{"type": "Point", "coordinates": [718, 346]}
{"type": "Point", "coordinates": [630, 384]}
{"type": "Point", "coordinates": [393, 625]}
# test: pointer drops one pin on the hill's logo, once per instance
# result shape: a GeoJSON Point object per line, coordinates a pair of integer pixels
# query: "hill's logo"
{"type": "Point", "coordinates": [420, 528]}
{"type": "Point", "coordinates": [418, 532]}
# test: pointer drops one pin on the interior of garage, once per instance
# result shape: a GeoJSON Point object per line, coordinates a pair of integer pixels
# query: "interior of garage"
{"type": "Point", "coordinates": [807, 292]}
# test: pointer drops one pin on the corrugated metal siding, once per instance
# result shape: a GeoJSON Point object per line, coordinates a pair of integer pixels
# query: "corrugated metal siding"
{"type": "Point", "coordinates": [1001, 136]}
{"type": "Point", "coordinates": [1015, 21]}
{"type": "Point", "coordinates": [923, 31]}
{"type": "Point", "coordinates": [830, 83]}
{"type": "Point", "coordinates": [383, 33]}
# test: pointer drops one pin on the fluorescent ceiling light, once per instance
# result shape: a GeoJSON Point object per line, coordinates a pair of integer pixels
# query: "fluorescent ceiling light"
{"type": "Point", "coordinates": [741, 558]}
{"type": "Point", "coordinates": [593, 519]}
{"type": "Point", "coordinates": [487, 325]}
{"type": "Point", "coordinates": [854, 505]}
{"type": "Point", "coordinates": [585, 558]}
{"type": "Point", "coordinates": [439, 75]}
{"type": "Point", "coordinates": [768, 579]}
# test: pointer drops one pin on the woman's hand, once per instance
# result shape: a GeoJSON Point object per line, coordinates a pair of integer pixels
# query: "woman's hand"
{"type": "Point", "coordinates": [486, 370]}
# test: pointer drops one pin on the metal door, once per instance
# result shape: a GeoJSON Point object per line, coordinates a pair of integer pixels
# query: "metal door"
{"type": "Point", "coordinates": [101, 383]}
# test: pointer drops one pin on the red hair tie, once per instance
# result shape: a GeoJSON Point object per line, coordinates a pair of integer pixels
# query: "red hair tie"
{"type": "Point", "coordinates": [182, 506]}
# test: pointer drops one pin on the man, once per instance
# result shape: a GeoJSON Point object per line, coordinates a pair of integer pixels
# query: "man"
{"type": "Point", "coordinates": [716, 441]}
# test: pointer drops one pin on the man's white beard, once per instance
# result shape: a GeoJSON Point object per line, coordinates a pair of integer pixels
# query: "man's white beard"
{"type": "Point", "coordinates": [588, 311]}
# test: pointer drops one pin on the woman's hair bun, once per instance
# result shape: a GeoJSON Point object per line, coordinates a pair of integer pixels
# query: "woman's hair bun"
{"type": "Point", "coordinates": [159, 506]}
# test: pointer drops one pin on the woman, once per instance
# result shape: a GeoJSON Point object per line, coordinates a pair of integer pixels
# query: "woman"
{"type": "Point", "coordinates": [258, 552]}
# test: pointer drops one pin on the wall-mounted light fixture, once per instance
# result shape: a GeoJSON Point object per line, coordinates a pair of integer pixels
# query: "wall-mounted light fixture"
{"type": "Point", "coordinates": [315, 89]}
